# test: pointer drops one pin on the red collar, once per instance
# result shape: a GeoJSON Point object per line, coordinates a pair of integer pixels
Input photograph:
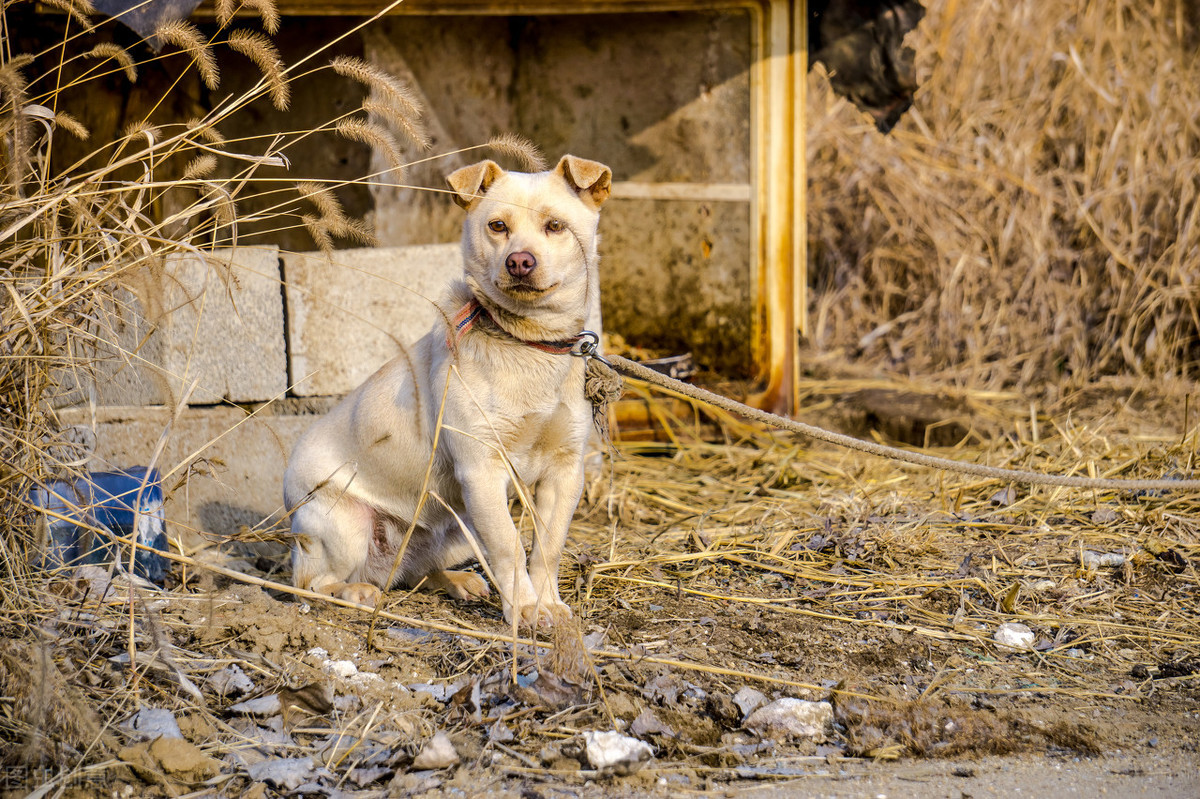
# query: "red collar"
{"type": "Point", "coordinates": [473, 311]}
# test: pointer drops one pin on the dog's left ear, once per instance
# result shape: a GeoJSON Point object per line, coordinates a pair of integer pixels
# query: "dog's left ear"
{"type": "Point", "coordinates": [471, 182]}
{"type": "Point", "coordinates": [592, 180]}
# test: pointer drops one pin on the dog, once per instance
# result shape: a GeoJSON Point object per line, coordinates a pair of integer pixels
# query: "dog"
{"type": "Point", "coordinates": [489, 403]}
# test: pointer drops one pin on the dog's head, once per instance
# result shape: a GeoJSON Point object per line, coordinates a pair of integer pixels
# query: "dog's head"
{"type": "Point", "coordinates": [529, 240]}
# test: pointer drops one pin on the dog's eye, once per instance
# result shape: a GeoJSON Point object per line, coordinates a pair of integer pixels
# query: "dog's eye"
{"type": "Point", "coordinates": [497, 225]}
{"type": "Point", "coordinates": [555, 226]}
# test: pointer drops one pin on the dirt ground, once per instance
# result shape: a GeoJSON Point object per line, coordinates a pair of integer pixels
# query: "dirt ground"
{"type": "Point", "coordinates": [709, 581]}
{"type": "Point", "coordinates": [1137, 739]}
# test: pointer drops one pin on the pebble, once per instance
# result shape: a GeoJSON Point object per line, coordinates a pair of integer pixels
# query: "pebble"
{"type": "Point", "coordinates": [500, 732]}
{"type": "Point", "coordinates": [1014, 636]}
{"type": "Point", "coordinates": [288, 773]}
{"type": "Point", "coordinates": [153, 722]}
{"type": "Point", "coordinates": [230, 681]}
{"type": "Point", "coordinates": [340, 668]}
{"type": "Point", "coordinates": [438, 753]}
{"type": "Point", "coordinates": [268, 705]}
{"type": "Point", "coordinates": [649, 724]}
{"type": "Point", "coordinates": [748, 700]}
{"type": "Point", "coordinates": [792, 718]}
{"type": "Point", "coordinates": [614, 753]}
{"type": "Point", "coordinates": [1097, 560]}
{"type": "Point", "coordinates": [1004, 497]}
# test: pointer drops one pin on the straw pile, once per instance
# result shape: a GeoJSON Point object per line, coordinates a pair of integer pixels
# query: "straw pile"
{"type": "Point", "coordinates": [1033, 219]}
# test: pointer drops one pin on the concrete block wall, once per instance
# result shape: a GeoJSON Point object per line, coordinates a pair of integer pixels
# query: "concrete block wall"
{"type": "Point", "coordinates": [245, 325]}
{"type": "Point", "coordinates": [206, 318]}
{"type": "Point", "coordinates": [366, 303]}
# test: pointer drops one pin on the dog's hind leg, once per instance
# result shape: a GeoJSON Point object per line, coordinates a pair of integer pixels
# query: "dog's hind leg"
{"type": "Point", "coordinates": [437, 567]}
{"type": "Point", "coordinates": [331, 547]}
{"type": "Point", "coordinates": [458, 584]}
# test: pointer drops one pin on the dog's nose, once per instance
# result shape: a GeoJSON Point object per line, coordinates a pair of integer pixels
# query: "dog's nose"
{"type": "Point", "coordinates": [520, 264]}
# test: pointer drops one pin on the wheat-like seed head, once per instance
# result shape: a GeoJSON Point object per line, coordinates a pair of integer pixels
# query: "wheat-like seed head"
{"type": "Point", "coordinates": [200, 167]}
{"type": "Point", "coordinates": [520, 148]}
{"type": "Point", "coordinates": [267, 12]}
{"type": "Point", "coordinates": [319, 232]}
{"type": "Point", "coordinates": [323, 200]}
{"type": "Point", "coordinates": [374, 135]}
{"type": "Point", "coordinates": [118, 54]}
{"type": "Point", "coordinates": [78, 9]}
{"type": "Point", "coordinates": [358, 230]}
{"type": "Point", "coordinates": [71, 125]}
{"type": "Point", "coordinates": [262, 52]}
{"type": "Point", "coordinates": [13, 83]}
{"type": "Point", "coordinates": [380, 82]}
{"type": "Point", "coordinates": [142, 128]}
{"type": "Point", "coordinates": [225, 12]}
{"type": "Point", "coordinates": [187, 36]}
{"type": "Point", "coordinates": [206, 131]}
{"type": "Point", "coordinates": [224, 207]}
{"type": "Point", "coordinates": [12, 99]}
{"type": "Point", "coordinates": [412, 128]}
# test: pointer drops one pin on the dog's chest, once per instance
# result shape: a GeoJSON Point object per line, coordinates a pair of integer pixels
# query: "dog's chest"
{"type": "Point", "coordinates": [532, 416]}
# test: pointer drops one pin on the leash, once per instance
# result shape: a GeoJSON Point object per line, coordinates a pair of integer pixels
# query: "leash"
{"type": "Point", "coordinates": [636, 370]}
{"type": "Point", "coordinates": [602, 386]}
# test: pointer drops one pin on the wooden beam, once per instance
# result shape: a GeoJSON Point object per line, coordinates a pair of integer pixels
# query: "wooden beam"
{"type": "Point", "coordinates": [699, 192]}
{"type": "Point", "coordinates": [779, 78]}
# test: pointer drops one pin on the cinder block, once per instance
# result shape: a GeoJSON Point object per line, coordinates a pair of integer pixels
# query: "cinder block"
{"type": "Point", "coordinates": [215, 318]}
{"type": "Point", "coordinates": [221, 468]}
{"type": "Point", "coordinates": [350, 313]}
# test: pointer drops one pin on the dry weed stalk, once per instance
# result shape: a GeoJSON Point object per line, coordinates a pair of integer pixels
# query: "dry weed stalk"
{"type": "Point", "coordinates": [1033, 220]}
{"type": "Point", "coordinates": [78, 239]}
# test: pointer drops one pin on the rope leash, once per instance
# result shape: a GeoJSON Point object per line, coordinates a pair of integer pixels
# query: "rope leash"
{"type": "Point", "coordinates": [635, 370]}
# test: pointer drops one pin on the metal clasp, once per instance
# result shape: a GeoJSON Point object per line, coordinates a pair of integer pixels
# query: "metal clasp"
{"type": "Point", "coordinates": [588, 346]}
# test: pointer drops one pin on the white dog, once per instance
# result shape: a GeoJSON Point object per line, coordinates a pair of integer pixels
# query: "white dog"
{"type": "Point", "coordinates": [510, 397]}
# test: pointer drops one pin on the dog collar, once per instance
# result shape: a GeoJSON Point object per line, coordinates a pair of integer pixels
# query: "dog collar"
{"type": "Point", "coordinates": [473, 312]}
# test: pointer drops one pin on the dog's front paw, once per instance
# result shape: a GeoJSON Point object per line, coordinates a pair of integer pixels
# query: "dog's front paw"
{"type": "Point", "coordinates": [362, 593]}
{"type": "Point", "coordinates": [539, 614]}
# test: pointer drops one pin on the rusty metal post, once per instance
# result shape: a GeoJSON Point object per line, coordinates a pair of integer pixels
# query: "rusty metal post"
{"type": "Point", "coordinates": [779, 81]}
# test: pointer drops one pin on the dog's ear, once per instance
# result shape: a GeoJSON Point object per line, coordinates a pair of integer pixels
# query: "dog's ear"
{"type": "Point", "coordinates": [472, 182]}
{"type": "Point", "coordinates": [591, 179]}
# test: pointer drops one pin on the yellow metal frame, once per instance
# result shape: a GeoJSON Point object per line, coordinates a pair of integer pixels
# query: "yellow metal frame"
{"type": "Point", "coordinates": [778, 80]}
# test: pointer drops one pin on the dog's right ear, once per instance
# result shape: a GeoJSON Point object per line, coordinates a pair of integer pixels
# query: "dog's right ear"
{"type": "Point", "coordinates": [471, 182]}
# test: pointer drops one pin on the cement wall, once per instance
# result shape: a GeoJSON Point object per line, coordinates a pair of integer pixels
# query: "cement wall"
{"type": "Point", "coordinates": [660, 98]}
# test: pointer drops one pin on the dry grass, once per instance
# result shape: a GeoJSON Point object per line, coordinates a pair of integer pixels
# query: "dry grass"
{"type": "Point", "coordinates": [755, 562]}
{"type": "Point", "coordinates": [1032, 221]}
{"type": "Point", "coordinates": [756, 538]}
{"type": "Point", "coordinates": [77, 238]}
